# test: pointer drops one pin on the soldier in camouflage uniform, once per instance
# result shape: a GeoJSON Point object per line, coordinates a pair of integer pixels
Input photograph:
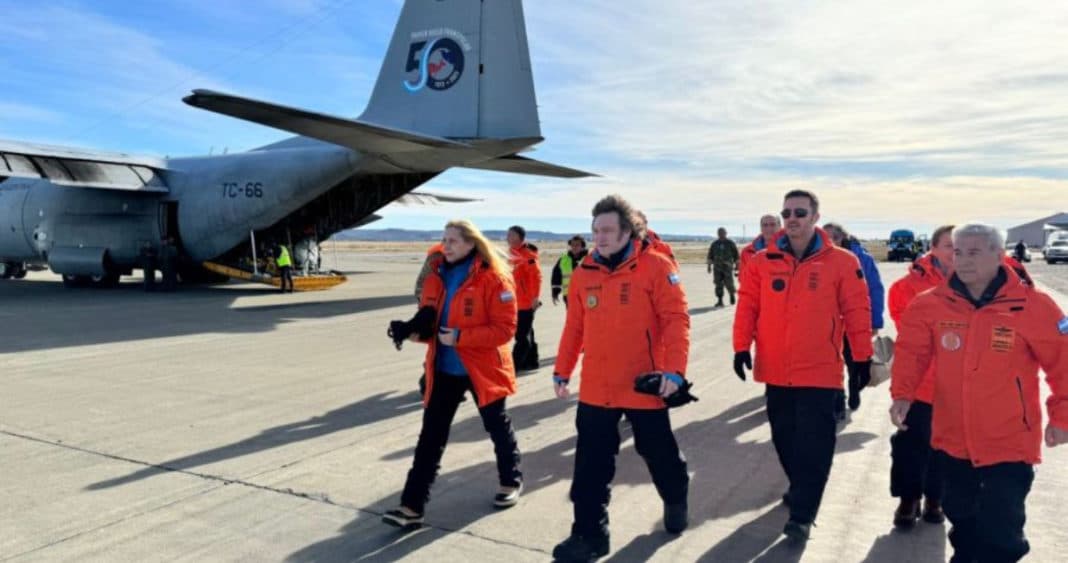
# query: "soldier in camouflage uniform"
{"type": "Point", "coordinates": [722, 261]}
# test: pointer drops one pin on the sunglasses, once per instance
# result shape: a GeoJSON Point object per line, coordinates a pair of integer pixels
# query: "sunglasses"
{"type": "Point", "coordinates": [800, 213]}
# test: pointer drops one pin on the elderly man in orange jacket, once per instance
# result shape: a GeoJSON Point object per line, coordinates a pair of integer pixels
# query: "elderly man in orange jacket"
{"type": "Point", "coordinates": [798, 300]}
{"type": "Point", "coordinates": [628, 317]}
{"type": "Point", "coordinates": [526, 270]}
{"type": "Point", "coordinates": [987, 334]}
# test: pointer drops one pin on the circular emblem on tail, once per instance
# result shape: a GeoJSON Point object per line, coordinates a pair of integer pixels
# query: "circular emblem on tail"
{"type": "Point", "coordinates": [440, 64]}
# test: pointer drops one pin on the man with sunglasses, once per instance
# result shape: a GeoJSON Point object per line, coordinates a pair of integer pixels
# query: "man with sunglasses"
{"type": "Point", "coordinates": [769, 225]}
{"type": "Point", "coordinates": [797, 300]}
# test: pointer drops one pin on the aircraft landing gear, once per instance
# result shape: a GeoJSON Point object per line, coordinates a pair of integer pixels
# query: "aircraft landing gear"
{"type": "Point", "coordinates": [9, 270]}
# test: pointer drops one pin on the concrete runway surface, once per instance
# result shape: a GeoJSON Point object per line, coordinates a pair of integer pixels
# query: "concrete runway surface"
{"type": "Point", "coordinates": [236, 424]}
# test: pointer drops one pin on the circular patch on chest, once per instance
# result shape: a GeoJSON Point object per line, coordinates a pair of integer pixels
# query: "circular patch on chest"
{"type": "Point", "coordinates": [778, 285]}
{"type": "Point", "coordinates": [951, 341]}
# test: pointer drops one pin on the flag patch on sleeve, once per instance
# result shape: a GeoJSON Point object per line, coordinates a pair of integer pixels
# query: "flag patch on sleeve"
{"type": "Point", "coordinates": [507, 297]}
{"type": "Point", "coordinates": [1062, 326]}
{"type": "Point", "coordinates": [673, 278]}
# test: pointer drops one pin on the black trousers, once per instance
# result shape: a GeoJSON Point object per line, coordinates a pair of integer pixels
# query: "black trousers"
{"type": "Point", "coordinates": [804, 433]}
{"type": "Point", "coordinates": [286, 276]}
{"type": "Point", "coordinates": [595, 461]}
{"type": "Point", "coordinates": [437, 418]}
{"type": "Point", "coordinates": [915, 472]}
{"type": "Point", "coordinates": [525, 350]}
{"type": "Point", "coordinates": [854, 384]}
{"type": "Point", "coordinates": [986, 507]}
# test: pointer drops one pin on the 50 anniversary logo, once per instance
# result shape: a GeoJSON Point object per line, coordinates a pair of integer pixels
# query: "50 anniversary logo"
{"type": "Point", "coordinates": [438, 57]}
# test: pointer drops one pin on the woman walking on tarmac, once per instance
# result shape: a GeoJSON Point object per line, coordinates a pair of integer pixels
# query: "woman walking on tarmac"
{"type": "Point", "coordinates": [870, 271]}
{"type": "Point", "coordinates": [467, 317]}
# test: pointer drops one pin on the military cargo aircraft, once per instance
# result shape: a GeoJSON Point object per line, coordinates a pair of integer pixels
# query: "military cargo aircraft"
{"type": "Point", "coordinates": [455, 90]}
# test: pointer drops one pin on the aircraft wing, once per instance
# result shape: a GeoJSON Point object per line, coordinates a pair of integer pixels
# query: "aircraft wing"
{"type": "Point", "coordinates": [351, 133]}
{"type": "Point", "coordinates": [523, 165]}
{"type": "Point", "coordinates": [77, 168]}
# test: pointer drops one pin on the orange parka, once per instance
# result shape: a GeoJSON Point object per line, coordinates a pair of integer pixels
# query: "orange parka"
{"type": "Point", "coordinates": [797, 312]}
{"type": "Point", "coordinates": [484, 310]}
{"type": "Point", "coordinates": [526, 270]}
{"type": "Point", "coordinates": [624, 322]}
{"type": "Point", "coordinates": [986, 406]}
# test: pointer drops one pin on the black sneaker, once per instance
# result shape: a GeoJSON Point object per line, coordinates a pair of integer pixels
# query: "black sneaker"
{"type": "Point", "coordinates": [676, 517]}
{"type": "Point", "coordinates": [507, 497]}
{"type": "Point", "coordinates": [581, 548]}
{"type": "Point", "coordinates": [402, 519]}
{"type": "Point", "coordinates": [797, 531]}
{"type": "Point", "coordinates": [854, 401]}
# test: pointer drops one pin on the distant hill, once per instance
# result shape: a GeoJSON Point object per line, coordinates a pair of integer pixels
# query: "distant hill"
{"type": "Point", "coordinates": [406, 235]}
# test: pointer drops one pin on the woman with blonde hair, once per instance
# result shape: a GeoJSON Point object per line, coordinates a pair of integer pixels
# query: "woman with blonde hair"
{"type": "Point", "coordinates": [467, 316]}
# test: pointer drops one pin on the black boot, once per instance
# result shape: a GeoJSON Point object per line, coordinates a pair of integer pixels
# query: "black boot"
{"type": "Point", "coordinates": [732, 299]}
{"type": "Point", "coordinates": [676, 517]}
{"type": "Point", "coordinates": [581, 548]}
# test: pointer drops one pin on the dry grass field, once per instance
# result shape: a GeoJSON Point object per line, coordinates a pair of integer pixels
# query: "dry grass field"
{"type": "Point", "coordinates": [686, 252]}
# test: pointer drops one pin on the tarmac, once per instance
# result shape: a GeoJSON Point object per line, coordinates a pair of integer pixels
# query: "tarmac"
{"type": "Point", "coordinates": [233, 423]}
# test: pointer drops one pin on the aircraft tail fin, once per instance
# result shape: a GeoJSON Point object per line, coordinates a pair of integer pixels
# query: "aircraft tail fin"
{"type": "Point", "coordinates": [457, 69]}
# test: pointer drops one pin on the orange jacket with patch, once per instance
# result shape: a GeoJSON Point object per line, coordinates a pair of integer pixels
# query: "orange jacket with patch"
{"type": "Point", "coordinates": [526, 270]}
{"type": "Point", "coordinates": [986, 402]}
{"type": "Point", "coordinates": [624, 322]}
{"type": "Point", "coordinates": [798, 311]}
{"type": "Point", "coordinates": [923, 274]}
{"type": "Point", "coordinates": [484, 311]}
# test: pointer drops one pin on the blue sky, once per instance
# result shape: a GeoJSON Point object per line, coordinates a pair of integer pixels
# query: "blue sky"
{"type": "Point", "coordinates": [904, 114]}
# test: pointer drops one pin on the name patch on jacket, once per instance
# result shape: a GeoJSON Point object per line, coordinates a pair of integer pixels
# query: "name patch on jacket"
{"type": "Point", "coordinates": [507, 297]}
{"type": "Point", "coordinates": [1002, 339]}
{"type": "Point", "coordinates": [624, 294]}
{"type": "Point", "coordinates": [1062, 326]}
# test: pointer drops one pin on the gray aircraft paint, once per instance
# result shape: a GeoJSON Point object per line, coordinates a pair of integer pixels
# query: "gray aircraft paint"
{"type": "Point", "coordinates": [417, 124]}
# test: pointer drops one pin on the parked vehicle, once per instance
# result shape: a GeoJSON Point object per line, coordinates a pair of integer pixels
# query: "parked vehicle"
{"type": "Point", "coordinates": [901, 246]}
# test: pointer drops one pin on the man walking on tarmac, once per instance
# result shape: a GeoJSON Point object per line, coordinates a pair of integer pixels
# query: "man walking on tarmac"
{"type": "Point", "coordinates": [769, 225]}
{"type": "Point", "coordinates": [722, 260]}
{"type": "Point", "coordinates": [986, 334]}
{"type": "Point", "coordinates": [285, 268]}
{"type": "Point", "coordinates": [526, 270]}
{"type": "Point", "coordinates": [627, 317]}
{"type": "Point", "coordinates": [561, 278]}
{"type": "Point", "coordinates": [797, 300]}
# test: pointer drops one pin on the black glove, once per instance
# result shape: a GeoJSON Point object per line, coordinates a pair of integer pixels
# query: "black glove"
{"type": "Point", "coordinates": [649, 384]}
{"type": "Point", "coordinates": [742, 359]}
{"type": "Point", "coordinates": [863, 373]}
{"type": "Point", "coordinates": [422, 324]}
{"type": "Point", "coordinates": [399, 331]}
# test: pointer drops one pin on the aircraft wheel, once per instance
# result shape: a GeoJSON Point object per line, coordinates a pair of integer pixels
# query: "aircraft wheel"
{"type": "Point", "coordinates": [21, 272]}
{"type": "Point", "coordinates": [73, 281]}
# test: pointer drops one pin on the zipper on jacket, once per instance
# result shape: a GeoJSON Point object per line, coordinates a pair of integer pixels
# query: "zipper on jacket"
{"type": "Point", "coordinates": [835, 345]}
{"type": "Point", "coordinates": [1023, 405]}
{"type": "Point", "coordinates": [652, 359]}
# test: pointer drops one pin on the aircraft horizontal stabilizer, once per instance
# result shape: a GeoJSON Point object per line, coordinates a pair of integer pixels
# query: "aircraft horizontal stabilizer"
{"type": "Point", "coordinates": [357, 135]}
{"type": "Point", "coordinates": [523, 165]}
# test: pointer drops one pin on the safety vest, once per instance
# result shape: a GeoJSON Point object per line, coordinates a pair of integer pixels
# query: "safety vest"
{"type": "Point", "coordinates": [283, 257]}
{"type": "Point", "coordinates": [567, 265]}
